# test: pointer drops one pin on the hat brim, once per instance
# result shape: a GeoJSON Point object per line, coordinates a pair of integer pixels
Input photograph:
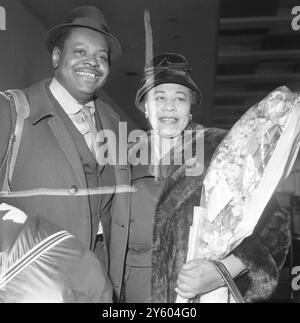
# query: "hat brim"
{"type": "Point", "coordinates": [162, 78]}
{"type": "Point", "coordinates": [55, 32]}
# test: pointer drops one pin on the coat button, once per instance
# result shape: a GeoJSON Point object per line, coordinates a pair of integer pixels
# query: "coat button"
{"type": "Point", "coordinates": [136, 249]}
{"type": "Point", "coordinates": [73, 190]}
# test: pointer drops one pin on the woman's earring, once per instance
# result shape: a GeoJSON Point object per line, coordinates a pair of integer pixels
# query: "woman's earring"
{"type": "Point", "coordinates": [191, 117]}
{"type": "Point", "coordinates": [146, 115]}
{"type": "Point", "coordinates": [55, 65]}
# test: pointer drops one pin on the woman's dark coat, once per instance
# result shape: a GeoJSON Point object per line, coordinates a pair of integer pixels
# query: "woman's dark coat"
{"type": "Point", "coordinates": [263, 253]}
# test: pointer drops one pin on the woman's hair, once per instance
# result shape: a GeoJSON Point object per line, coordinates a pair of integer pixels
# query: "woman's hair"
{"type": "Point", "coordinates": [193, 96]}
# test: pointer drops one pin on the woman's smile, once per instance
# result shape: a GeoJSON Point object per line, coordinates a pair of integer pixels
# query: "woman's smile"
{"type": "Point", "coordinates": [168, 120]}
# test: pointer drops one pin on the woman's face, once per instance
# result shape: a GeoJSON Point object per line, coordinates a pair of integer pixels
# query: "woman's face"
{"type": "Point", "coordinates": [168, 107]}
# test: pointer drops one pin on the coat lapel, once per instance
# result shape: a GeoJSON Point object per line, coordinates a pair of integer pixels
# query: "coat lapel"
{"type": "Point", "coordinates": [42, 106]}
{"type": "Point", "coordinates": [66, 143]}
{"type": "Point", "coordinates": [108, 118]}
{"type": "Point", "coordinates": [109, 123]}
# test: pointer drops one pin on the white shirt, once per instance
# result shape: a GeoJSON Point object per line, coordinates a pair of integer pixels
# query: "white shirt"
{"type": "Point", "coordinates": [72, 108]}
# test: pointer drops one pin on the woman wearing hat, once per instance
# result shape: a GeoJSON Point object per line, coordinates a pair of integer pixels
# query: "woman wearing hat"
{"type": "Point", "coordinates": [162, 206]}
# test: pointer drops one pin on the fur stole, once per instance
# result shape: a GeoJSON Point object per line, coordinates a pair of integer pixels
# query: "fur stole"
{"type": "Point", "coordinates": [263, 253]}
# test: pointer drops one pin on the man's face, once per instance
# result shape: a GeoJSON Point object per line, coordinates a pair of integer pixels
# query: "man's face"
{"type": "Point", "coordinates": [83, 63]}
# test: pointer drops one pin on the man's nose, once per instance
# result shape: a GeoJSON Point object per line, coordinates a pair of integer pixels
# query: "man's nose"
{"type": "Point", "coordinates": [92, 61]}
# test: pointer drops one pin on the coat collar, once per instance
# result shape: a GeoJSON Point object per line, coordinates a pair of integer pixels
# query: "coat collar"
{"type": "Point", "coordinates": [40, 103]}
{"type": "Point", "coordinates": [109, 119]}
{"type": "Point", "coordinates": [70, 105]}
{"type": "Point", "coordinates": [41, 106]}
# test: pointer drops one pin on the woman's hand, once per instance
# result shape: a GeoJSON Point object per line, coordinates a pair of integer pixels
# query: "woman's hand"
{"type": "Point", "coordinates": [200, 276]}
{"type": "Point", "coordinates": [197, 277]}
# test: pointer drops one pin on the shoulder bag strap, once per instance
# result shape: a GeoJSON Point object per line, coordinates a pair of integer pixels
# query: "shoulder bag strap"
{"type": "Point", "coordinates": [224, 273]}
{"type": "Point", "coordinates": [22, 111]}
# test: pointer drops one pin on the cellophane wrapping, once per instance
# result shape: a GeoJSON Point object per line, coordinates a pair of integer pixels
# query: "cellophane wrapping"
{"type": "Point", "coordinates": [254, 157]}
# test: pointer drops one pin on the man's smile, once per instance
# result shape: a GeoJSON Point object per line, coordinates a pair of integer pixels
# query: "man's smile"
{"type": "Point", "coordinates": [87, 73]}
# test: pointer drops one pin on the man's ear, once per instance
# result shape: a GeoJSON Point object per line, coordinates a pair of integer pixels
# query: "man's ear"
{"type": "Point", "coordinates": [55, 57]}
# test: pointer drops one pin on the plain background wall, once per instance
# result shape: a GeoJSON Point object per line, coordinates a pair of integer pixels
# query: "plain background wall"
{"type": "Point", "coordinates": [23, 55]}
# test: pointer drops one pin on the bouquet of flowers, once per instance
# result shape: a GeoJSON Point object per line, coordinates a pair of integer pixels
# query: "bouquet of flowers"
{"type": "Point", "coordinates": [257, 153]}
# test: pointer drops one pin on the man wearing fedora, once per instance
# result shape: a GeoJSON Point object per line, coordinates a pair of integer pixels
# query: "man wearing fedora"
{"type": "Point", "coordinates": [56, 150]}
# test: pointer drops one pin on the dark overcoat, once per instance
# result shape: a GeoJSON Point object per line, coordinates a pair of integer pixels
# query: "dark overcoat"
{"type": "Point", "coordinates": [48, 158]}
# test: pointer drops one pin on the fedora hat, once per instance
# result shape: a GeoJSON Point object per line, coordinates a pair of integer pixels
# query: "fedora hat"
{"type": "Point", "coordinates": [87, 17]}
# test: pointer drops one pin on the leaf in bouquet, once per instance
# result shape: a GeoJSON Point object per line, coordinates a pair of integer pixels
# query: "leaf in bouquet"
{"type": "Point", "coordinates": [277, 103]}
{"type": "Point", "coordinates": [234, 215]}
{"type": "Point", "coordinates": [249, 177]}
{"type": "Point", "coordinates": [219, 197]}
{"type": "Point", "coordinates": [268, 139]}
{"type": "Point", "coordinates": [211, 180]}
{"type": "Point", "coordinates": [228, 219]}
{"type": "Point", "coordinates": [217, 244]}
{"type": "Point", "coordinates": [203, 250]}
{"type": "Point", "coordinates": [267, 151]}
{"type": "Point", "coordinates": [253, 145]}
{"type": "Point", "coordinates": [262, 146]}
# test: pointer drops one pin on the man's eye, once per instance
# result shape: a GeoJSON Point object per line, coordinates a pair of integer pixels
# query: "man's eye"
{"type": "Point", "coordinates": [80, 51]}
{"type": "Point", "coordinates": [102, 58]}
{"type": "Point", "coordinates": [180, 99]}
{"type": "Point", "coordinates": [159, 98]}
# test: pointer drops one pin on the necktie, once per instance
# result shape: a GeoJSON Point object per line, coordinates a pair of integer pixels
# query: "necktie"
{"type": "Point", "coordinates": [91, 139]}
{"type": "Point", "coordinates": [91, 134]}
